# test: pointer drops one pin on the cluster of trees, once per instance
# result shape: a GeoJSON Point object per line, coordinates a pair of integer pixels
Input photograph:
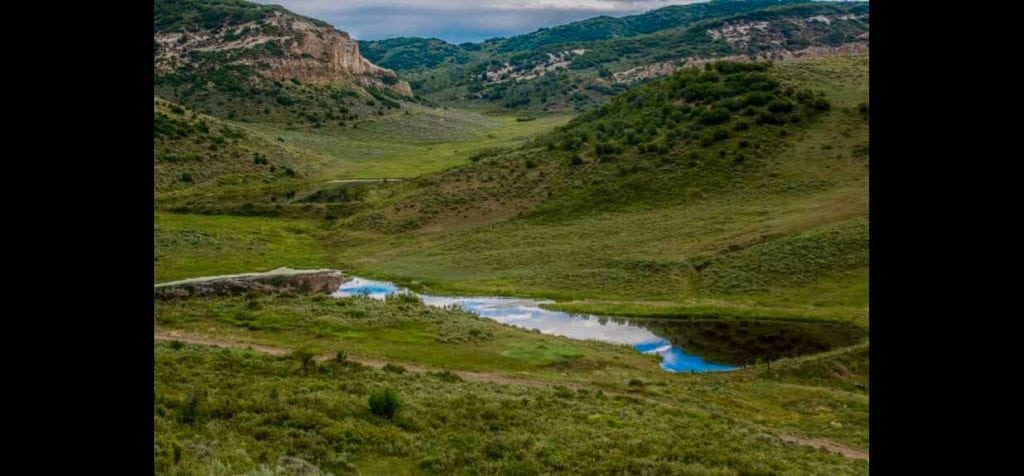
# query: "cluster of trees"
{"type": "Point", "coordinates": [407, 54]}
{"type": "Point", "coordinates": [700, 107]}
{"type": "Point", "coordinates": [193, 15]}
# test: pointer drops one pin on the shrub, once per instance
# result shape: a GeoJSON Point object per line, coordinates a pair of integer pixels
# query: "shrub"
{"type": "Point", "coordinates": [341, 357]}
{"type": "Point", "coordinates": [186, 177]}
{"type": "Point", "coordinates": [636, 383]}
{"type": "Point", "coordinates": [781, 106]}
{"type": "Point", "coordinates": [576, 160]}
{"type": "Point", "coordinates": [395, 369]}
{"type": "Point", "coordinates": [191, 411]}
{"type": "Point", "coordinates": [714, 116]}
{"type": "Point", "coordinates": [820, 104]}
{"type": "Point", "coordinates": [447, 376]}
{"type": "Point", "coordinates": [305, 357]}
{"type": "Point", "coordinates": [177, 344]}
{"type": "Point", "coordinates": [711, 137]}
{"type": "Point", "coordinates": [384, 403]}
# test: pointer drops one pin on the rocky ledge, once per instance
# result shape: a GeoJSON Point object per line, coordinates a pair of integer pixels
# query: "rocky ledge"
{"type": "Point", "coordinates": [281, 280]}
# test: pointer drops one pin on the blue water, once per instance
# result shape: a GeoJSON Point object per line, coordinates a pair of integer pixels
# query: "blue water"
{"type": "Point", "coordinates": [527, 314]}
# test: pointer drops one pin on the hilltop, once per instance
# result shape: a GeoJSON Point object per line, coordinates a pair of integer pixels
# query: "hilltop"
{"type": "Point", "coordinates": [579, 65]}
{"type": "Point", "coordinates": [262, 59]}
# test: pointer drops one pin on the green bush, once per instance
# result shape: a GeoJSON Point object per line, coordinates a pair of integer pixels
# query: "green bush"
{"type": "Point", "coordinates": [714, 116]}
{"type": "Point", "coordinates": [384, 403]}
{"type": "Point", "coordinates": [191, 412]}
{"type": "Point", "coordinates": [305, 357]}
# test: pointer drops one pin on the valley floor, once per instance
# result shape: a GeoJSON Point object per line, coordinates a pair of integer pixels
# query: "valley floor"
{"type": "Point", "coordinates": [788, 241]}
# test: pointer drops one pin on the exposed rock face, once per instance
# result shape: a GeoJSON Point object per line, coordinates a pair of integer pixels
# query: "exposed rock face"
{"type": "Point", "coordinates": [282, 46]}
{"type": "Point", "coordinates": [319, 55]}
{"type": "Point", "coordinates": [666, 68]}
{"type": "Point", "coordinates": [810, 52]}
{"type": "Point", "coordinates": [280, 280]}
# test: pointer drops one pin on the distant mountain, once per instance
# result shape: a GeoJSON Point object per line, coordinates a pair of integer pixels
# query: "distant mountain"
{"type": "Point", "coordinates": [404, 54]}
{"type": "Point", "coordinates": [242, 49]}
{"type": "Point", "coordinates": [641, 146]}
{"type": "Point", "coordinates": [579, 65]}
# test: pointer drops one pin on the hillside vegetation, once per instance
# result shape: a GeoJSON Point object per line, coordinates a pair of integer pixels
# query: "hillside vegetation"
{"type": "Point", "coordinates": [240, 411]}
{"type": "Point", "coordinates": [769, 221]}
{"type": "Point", "coordinates": [721, 205]}
{"type": "Point", "coordinates": [579, 65]}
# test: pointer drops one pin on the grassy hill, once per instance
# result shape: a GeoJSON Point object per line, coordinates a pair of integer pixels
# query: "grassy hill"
{"type": "Point", "coordinates": [721, 227]}
{"type": "Point", "coordinates": [713, 205]}
{"type": "Point", "coordinates": [769, 221]}
{"type": "Point", "coordinates": [579, 65]}
{"type": "Point", "coordinates": [193, 149]}
{"type": "Point", "coordinates": [476, 397]}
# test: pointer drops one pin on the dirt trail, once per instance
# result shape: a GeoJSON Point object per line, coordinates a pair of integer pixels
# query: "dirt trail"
{"type": "Point", "coordinates": [375, 363]}
{"type": "Point", "coordinates": [365, 180]}
{"type": "Point", "coordinates": [826, 444]}
{"type": "Point", "coordinates": [480, 377]}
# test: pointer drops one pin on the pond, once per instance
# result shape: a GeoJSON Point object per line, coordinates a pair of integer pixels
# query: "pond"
{"type": "Point", "coordinates": [705, 345]}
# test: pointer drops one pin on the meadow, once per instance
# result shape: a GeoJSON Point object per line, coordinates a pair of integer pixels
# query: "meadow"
{"type": "Point", "coordinates": [237, 411]}
{"type": "Point", "coordinates": [492, 205]}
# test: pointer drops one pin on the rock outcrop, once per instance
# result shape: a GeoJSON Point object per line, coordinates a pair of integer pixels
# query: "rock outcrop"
{"type": "Point", "coordinates": [282, 280]}
{"type": "Point", "coordinates": [282, 46]}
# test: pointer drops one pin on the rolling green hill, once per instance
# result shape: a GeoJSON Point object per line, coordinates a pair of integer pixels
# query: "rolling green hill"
{"type": "Point", "coordinates": [740, 190]}
{"type": "Point", "coordinates": [193, 150]}
{"type": "Point", "coordinates": [712, 202]}
{"type": "Point", "coordinates": [744, 208]}
{"type": "Point", "coordinates": [579, 65]}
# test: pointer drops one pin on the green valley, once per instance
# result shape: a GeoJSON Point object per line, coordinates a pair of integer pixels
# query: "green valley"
{"type": "Point", "coordinates": [727, 195]}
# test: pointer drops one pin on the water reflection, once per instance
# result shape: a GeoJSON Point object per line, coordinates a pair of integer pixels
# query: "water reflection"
{"type": "Point", "coordinates": [684, 345]}
{"type": "Point", "coordinates": [527, 314]}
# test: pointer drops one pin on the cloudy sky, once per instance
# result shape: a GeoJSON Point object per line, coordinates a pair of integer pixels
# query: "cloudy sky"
{"type": "Point", "coordinates": [459, 20]}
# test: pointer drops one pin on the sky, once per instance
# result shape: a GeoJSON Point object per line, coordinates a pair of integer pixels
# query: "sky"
{"type": "Point", "coordinates": [459, 21]}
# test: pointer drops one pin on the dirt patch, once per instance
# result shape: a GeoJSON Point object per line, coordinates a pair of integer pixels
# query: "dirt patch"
{"type": "Point", "coordinates": [826, 445]}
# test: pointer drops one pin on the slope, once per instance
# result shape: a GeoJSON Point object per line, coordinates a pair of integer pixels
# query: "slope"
{"type": "Point", "coordinates": [768, 220]}
{"type": "Point", "coordinates": [579, 65]}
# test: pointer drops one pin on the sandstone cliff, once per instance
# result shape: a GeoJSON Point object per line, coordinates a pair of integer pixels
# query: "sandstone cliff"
{"type": "Point", "coordinates": [281, 46]}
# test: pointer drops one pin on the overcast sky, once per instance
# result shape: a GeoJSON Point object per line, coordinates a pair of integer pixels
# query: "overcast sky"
{"type": "Point", "coordinates": [459, 20]}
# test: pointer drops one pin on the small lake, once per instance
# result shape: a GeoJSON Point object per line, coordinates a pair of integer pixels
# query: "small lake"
{"type": "Point", "coordinates": [705, 345]}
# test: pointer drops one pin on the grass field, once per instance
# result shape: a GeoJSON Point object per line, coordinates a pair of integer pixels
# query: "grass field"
{"type": "Point", "coordinates": [782, 237]}
{"type": "Point", "coordinates": [236, 411]}
{"type": "Point", "coordinates": [189, 246]}
{"type": "Point", "coordinates": [407, 145]}
{"type": "Point", "coordinates": [787, 240]}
